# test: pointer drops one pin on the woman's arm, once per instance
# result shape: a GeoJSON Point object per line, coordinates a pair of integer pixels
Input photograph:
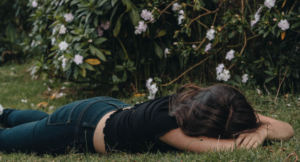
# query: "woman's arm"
{"type": "Point", "coordinates": [178, 139]}
{"type": "Point", "coordinates": [271, 130]}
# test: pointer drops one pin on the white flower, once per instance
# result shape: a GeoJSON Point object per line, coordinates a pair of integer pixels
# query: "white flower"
{"type": "Point", "coordinates": [99, 31]}
{"type": "Point", "coordinates": [258, 91]}
{"type": "Point", "coordinates": [288, 105]}
{"type": "Point", "coordinates": [166, 52]}
{"type": "Point", "coordinates": [220, 68]}
{"type": "Point", "coordinates": [51, 107]}
{"type": "Point", "coordinates": [62, 29]}
{"type": "Point", "coordinates": [176, 6]}
{"type": "Point", "coordinates": [147, 15]}
{"type": "Point", "coordinates": [194, 46]}
{"type": "Point", "coordinates": [32, 43]}
{"type": "Point", "coordinates": [148, 83]}
{"type": "Point", "coordinates": [152, 91]}
{"type": "Point", "coordinates": [24, 101]}
{"type": "Point", "coordinates": [53, 41]}
{"type": "Point", "coordinates": [34, 4]}
{"type": "Point", "coordinates": [210, 34]}
{"type": "Point", "coordinates": [208, 47]}
{"type": "Point", "coordinates": [284, 25]}
{"type": "Point", "coordinates": [180, 18]}
{"type": "Point", "coordinates": [298, 99]}
{"type": "Point", "coordinates": [60, 95]}
{"type": "Point", "coordinates": [62, 88]}
{"type": "Point", "coordinates": [245, 78]}
{"type": "Point", "coordinates": [68, 17]}
{"type": "Point", "coordinates": [181, 12]}
{"type": "Point", "coordinates": [1, 109]}
{"type": "Point", "coordinates": [225, 76]}
{"type": "Point", "coordinates": [270, 3]}
{"type": "Point", "coordinates": [63, 45]}
{"type": "Point", "coordinates": [32, 105]}
{"type": "Point", "coordinates": [49, 89]}
{"type": "Point", "coordinates": [230, 55]}
{"type": "Point", "coordinates": [50, 80]}
{"type": "Point", "coordinates": [34, 70]}
{"type": "Point", "coordinates": [78, 59]}
{"type": "Point", "coordinates": [253, 22]}
{"type": "Point", "coordinates": [141, 28]}
{"type": "Point", "coordinates": [105, 25]}
{"type": "Point", "coordinates": [54, 30]}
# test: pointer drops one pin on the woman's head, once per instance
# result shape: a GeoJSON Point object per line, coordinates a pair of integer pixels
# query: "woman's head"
{"type": "Point", "coordinates": [218, 110]}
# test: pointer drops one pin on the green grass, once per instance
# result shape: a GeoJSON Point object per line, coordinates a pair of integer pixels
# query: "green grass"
{"type": "Point", "coordinates": [16, 84]}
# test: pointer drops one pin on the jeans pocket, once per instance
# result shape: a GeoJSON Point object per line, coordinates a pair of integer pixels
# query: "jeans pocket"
{"type": "Point", "coordinates": [63, 115]}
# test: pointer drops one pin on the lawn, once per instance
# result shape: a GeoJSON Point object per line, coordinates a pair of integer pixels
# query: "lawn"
{"type": "Point", "coordinates": [19, 91]}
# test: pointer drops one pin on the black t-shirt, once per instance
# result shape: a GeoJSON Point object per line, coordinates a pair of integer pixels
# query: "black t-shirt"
{"type": "Point", "coordinates": [137, 129]}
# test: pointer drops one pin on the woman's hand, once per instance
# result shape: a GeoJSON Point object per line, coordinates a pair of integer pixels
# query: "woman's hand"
{"type": "Point", "coordinates": [254, 139]}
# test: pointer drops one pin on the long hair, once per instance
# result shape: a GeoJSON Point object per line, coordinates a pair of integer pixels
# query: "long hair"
{"type": "Point", "coordinates": [216, 111]}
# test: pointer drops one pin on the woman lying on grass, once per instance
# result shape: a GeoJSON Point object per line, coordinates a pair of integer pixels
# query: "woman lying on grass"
{"type": "Point", "coordinates": [219, 115]}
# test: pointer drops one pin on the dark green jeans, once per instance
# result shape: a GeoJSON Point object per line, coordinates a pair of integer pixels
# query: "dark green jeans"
{"type": "Point", "coordinates": [70, 127]}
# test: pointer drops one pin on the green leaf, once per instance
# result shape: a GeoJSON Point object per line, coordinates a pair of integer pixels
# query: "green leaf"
{"type": "Point", "coordinates": [269, 73]}
{"type": "Point", "coordinates": [113, 2]}
{"type": "Point", "coordinates": [97, 52]}
{"type": "Point", "coordinates": [128, 4]}
{"type": "Point", "coordinates": [11, 33]}
{"type": "Point", "coordinates": [161, 33]}
{"type": "Point", "coordinates": [296, 25]}
{"type": "Point", "coordinates": [82, 72]}
{"type": "Point", "coordinates": [269, 79]}
{"type": "Point", "coordinates": [88, 66]}
{"type": "Point", "coordinates": [232, 34]}
{"type": "Point", "coordinates": [115, 79]}
{"type": "Point", "coordinates": [134, 16]}
{"type": "Point", "coordinates": [238, 78]}
{"type": "Point", "coordinates": [158, 51]}
{"type": "Point", "coordinates": [118, 25]}
{"type": "Point", "coordinates": [100, 41]}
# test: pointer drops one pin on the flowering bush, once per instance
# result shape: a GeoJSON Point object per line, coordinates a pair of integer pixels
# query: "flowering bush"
{"type": "Point", "coordinates": [14, 30]}
{"type": "Point", "coordinates": [119, 42]}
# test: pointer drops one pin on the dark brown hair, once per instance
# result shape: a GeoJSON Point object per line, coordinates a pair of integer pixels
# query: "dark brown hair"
{"type": "Point", "coordinates": [214, 111]}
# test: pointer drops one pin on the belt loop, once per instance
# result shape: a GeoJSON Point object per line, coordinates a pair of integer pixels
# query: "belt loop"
{"type": "Point", "coordinates": [89, 125]}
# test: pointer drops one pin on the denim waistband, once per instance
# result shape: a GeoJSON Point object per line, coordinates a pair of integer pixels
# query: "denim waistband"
{"type": "Point", "coordinates": [89, 117]}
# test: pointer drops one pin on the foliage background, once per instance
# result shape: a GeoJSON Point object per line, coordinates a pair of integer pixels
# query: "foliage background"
{"type": "Point", "coordinates": [265, 52]}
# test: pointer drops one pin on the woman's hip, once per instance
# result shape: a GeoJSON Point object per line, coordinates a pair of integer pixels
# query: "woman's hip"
{"type": "Point", "coordinates": [83, 116]}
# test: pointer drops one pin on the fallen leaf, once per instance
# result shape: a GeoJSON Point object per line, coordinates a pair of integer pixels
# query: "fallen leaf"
{"type": "Point", "coordinates": [283, 35]}
{"type": "Point", "coordinates": [139, 94]}
{"type": "Point", "coordinates": [53, 96]}
{"type": "Point", "coordinates": [284, 3]}
{"type": "Point", "coordinates": [93, 61]}
{"type": "Point", "coordinates": [42, 104]}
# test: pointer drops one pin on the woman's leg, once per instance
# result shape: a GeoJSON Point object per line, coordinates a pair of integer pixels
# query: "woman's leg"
{"type": "Point", "coordinates": [37, 137]}
{"type": "Point", "coordinates": [12, 117]}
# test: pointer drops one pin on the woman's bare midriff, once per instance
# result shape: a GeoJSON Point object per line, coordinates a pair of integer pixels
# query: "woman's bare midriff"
{"type": "Point", "coordinates": [98, 139]}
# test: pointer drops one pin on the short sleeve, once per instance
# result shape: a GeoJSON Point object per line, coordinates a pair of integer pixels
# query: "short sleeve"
{"type": "Point", "coordinates": [162, 122]}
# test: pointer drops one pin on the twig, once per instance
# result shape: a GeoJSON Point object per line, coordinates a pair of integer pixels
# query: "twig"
{"type": "Point", "coordinates": [281, 84]}
{"type": "Point", "coordinates": [245, 38]}
{"type": "Point", "coordinates": [242, 43]}
{"type": "Point", "coordinates": [134, 88]}
{"type": "Point", "coordinates": [293, 7]}
{"type": "Point", "coordinates": [210, 12]}
{"type": "Point", "coordinates": [202, 24]}
{"type": "Point", "coordinates": [163, 85]}
{"type": "Point", "coordinates": [200, 44]}
{"type": "Point", "coordinates": [266, 89]}
{"type": "Point", "coordinates": [293, 154]}
{"type": "Point", "coordinates": [168, 7]}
